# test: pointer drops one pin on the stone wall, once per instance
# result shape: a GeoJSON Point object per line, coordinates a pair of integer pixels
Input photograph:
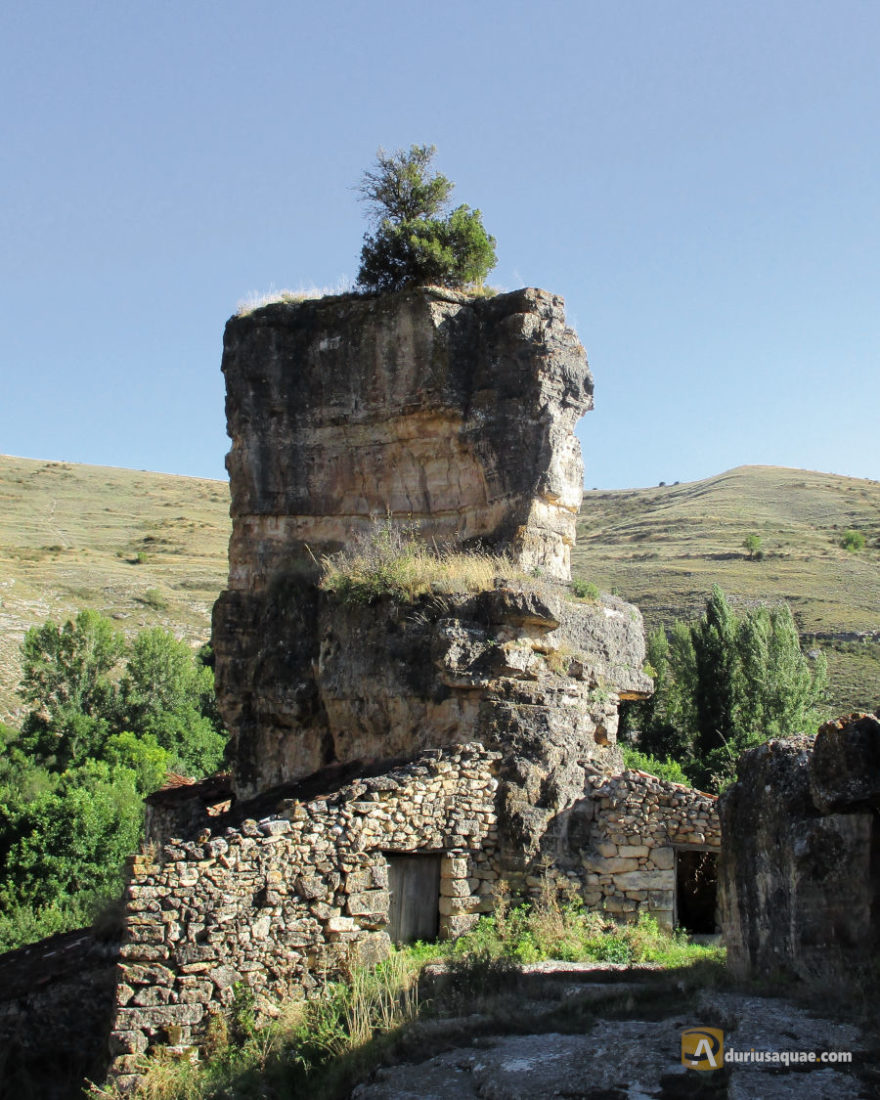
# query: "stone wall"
{"type": "Point", "coordinates": [284, 901]}
{"type": "Point", "coordinates": [637, 826]}
{"type": "Point", "coordinates": [289, 899]}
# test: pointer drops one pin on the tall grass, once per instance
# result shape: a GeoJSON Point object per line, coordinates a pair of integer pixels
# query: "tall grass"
{"type": "Point", "coordinates": [557, 926]}
{"type": "Point", "coordinates": [322, 1047]}
{"type": "Point", "coordinates": [387, 560]}
{"type": "Point", "coordinates": [308, 1048]}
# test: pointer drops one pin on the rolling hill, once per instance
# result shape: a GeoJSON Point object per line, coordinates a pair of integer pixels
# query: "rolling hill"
{"type": "Point", "coordinates": [146, 549]}
{"type": "Point", "coordinates": [664, 548]}
{"type": "Point", "coordinates": [150, 550]}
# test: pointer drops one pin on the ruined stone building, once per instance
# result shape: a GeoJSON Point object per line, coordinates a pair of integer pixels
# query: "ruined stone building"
{"type": "Point", "coordinates": [396, 761]}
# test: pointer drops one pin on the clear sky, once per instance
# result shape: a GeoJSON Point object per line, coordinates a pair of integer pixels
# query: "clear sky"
{"type": "Point", "coordinates": [700, 180]}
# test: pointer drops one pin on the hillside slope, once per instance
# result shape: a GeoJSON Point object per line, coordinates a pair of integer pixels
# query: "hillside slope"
{"type": "Point", "coordinates": [664, 548]}
{"type": "Point", "coordinates": [147, 549]}
{"type": "Point", "coordinates": [150, 550]}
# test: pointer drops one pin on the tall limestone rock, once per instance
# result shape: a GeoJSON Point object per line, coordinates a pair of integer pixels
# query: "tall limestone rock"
{"type": "Point", "coordinates": [452, 412]}
{"type": "Point", "coordinates": [455, 416]}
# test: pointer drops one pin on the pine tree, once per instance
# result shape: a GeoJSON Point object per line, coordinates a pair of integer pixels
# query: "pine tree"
{"type": "Point", "coordinates": [415, 241]}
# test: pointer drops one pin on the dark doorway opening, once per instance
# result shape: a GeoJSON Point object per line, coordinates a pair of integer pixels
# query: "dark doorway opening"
{"type": "Point", "coordinates": [696, 890]}
{"type": "Point", "coordinates": [414, 885]}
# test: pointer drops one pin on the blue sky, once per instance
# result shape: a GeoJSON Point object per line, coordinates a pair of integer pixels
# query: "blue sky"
{"type": "Point", "coordinates": [698, 179]}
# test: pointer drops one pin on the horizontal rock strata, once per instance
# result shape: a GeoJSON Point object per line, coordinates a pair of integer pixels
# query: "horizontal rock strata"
{"type": "Point", "coordinates": [453, 412]}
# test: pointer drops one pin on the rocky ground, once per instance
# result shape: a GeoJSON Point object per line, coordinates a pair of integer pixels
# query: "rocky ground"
{"type": "Point", "coordinates": [598, 1032]}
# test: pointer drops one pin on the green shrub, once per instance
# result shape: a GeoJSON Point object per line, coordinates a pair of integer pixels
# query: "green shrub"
{"type": "Point", "coordinates": [667, 769]}
{"type": "Point", "coordinates": [852, 540]}
{"type": "Point", "coordinates": [154, 598]}
{"type": "Point", "coordinates": [585, 590]}
{"type": "Point", "coordinates": [752, 546]}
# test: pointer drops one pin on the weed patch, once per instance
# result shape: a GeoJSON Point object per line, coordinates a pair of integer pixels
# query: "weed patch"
{"type": "Point", "coordinates": [387, 560]}
{"type": "Point", "coordinates": [320, 1048]}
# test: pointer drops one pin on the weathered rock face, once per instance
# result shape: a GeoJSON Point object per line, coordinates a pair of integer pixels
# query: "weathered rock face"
{"type": "Point", "coordinates": [309, 680]}
{"type": "Point", "coordinates": [800, 864]}
{"type": "Point", "coordinates": [57, 1001]}
{"type": "Point", "coordinates": [845, 765]}
{"type": "Point", "coordinates": [454, 413]}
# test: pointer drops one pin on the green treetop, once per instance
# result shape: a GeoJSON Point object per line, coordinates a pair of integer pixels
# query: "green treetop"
{"type": "Point", "coordinates": [415, 242]}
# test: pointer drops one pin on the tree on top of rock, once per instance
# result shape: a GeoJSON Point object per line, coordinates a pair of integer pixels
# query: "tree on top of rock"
{"type": "Point", "coordinates": [415, 241]}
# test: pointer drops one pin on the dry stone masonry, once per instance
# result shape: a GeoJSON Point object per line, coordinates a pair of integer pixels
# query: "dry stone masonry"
{"type": "Point", "coordinates": [645, 829]}
{"type": "Point", "coordinates": [398, 763]}
{"type": "Point", "coordinates": [282, 902]}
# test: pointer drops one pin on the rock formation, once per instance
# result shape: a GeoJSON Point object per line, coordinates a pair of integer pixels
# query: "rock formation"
{"type": "Point", "coordinates": [397, 756]}
{"type": "Point", "coordinates": [800, 865]}
{"type": "Point", "coordinates": [453, 412]}
{"type": "Point", "coordinates": [454, 415]}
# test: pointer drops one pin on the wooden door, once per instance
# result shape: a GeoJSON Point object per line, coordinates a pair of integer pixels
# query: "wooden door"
{"type": "Point", "coordinates": [414, 884]}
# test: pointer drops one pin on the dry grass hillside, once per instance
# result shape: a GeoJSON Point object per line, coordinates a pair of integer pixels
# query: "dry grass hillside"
{"type": "Point", "coordinates": [150, 550]}
{"type": "Point", "coordinates": [147, 549]}
{"type": "Point", "coordinates": [664, 548]}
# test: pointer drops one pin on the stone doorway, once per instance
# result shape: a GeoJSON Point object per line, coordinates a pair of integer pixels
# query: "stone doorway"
{"type": "Point", "coordinates": [414, 885]}
{"type": "Point", "coordinates": [696, 890]}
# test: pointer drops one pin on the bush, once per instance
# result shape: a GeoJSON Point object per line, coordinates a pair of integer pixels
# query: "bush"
{"type": "Point", "coordinates": [752, 546]}
{"type": "Point", "coordinates": [852, 540]}
{"type": "Point", "coordinates": [413, 243]}
{"type": "Point", "coordinates": [667, 769]}
{"type": "Point", "coordinates": [154, 598]}
{"type": "Point", "coordinates": [585, 590]}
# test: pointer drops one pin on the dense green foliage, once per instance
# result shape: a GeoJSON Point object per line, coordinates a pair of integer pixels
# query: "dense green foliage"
{"type": "Point", "coordinates": [724, 684]}
{"type": "Point", "coordinates": [107, 721]}
{"type": "Point", "coordinates": [669, 770]}
{"type": "Point", "coordinates": [852, 540]}
{"type": "Point", "coordinates": [415, 242]}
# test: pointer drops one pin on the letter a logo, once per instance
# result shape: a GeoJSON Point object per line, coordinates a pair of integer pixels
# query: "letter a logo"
{"type": "Point", "coordinates": [702, 1048]}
